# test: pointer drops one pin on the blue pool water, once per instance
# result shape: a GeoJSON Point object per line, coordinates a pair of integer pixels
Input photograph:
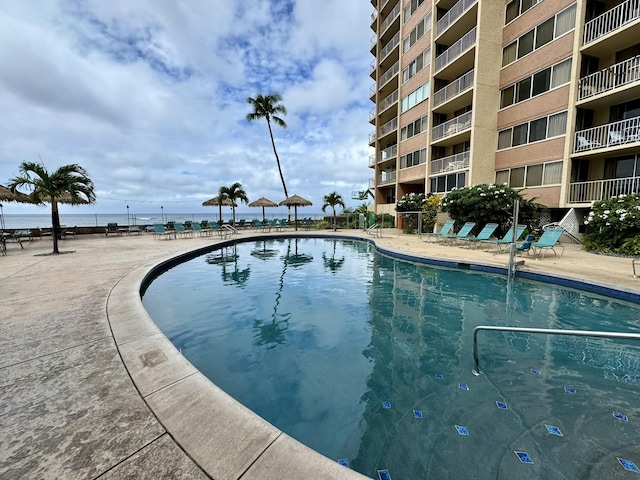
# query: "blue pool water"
{"type": "Point", "coordinates": [368, 360]}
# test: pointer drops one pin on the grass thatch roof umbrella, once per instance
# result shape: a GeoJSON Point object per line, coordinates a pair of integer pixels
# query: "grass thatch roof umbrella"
{"type": "Point", "coordinates": [296, 201]}
{"type": "Point", "coordinates": [6, 195]}
{"type": "Point", "coordinates": [263, 202]}
{"type": "Point", "coordinates": [219, 202]}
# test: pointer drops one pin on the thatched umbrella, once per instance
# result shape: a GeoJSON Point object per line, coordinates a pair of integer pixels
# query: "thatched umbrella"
{"type": "Point", "coordinates": [6, 195]}
{"type": "Point", "coordinates": [216, 201]}
{"type": "Point", "coordinates": [296, 201]}
{"type": "Point", "coordinates": [263, 202]}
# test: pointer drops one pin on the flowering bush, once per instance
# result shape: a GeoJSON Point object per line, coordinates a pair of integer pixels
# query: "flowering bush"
{"type": "Point", "coordinates": [487, 203]}
{"type": "Point", "coordinates": [612, 225]}
{"type": "Point", "coordinates": [411, 202]}
{"type": "Point", "coordinates": [418, 202]}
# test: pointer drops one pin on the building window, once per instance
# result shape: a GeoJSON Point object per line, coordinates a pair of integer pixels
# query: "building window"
{"type": "Point", "coordinates": [543, 81]}
{"type": "Point", "coordinates": [423, 27]}
{"type": "Point", "coordinates": [536, 175]}
{"type": "Point", "coordinates": [414, 98]}
{"type": "Point", "coordinates": [411, 7]}
{"type": "Point", "coordinates": [446, 183]}
{"type": "Point", "coordinates": [538, 37]}
{"type": "Point", "coordinates": [414, 158]}
{"type": "Point", "coordinates": [414, 128]}
{"type": "Point", "coordinates": [423, 60]}
{"type": "Point", "coordinates": [533, 131]}
{"type": "Point", "coordinates": [515, 8]}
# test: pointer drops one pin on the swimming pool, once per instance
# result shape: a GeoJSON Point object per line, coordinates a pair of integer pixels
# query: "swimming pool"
{"type": "Point", "coordinates": [316, 335]}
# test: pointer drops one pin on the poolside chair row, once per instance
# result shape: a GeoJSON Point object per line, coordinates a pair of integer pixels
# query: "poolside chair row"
{"type": "Point", "coordinates": [550, 239]}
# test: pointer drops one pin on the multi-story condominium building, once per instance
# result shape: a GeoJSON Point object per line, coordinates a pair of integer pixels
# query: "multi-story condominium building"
{"type": "Point", "coordinates": [536, 94]}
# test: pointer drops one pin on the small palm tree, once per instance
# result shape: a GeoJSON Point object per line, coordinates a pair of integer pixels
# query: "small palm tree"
{"type": "Point", "coordinates": [70, 181]}
{"type": "Point", "coordinates": [331, 200]}
{"type": "Point", "coordinates": [268, 107]}
{"type": "Point", "coordinates": [233, 193]}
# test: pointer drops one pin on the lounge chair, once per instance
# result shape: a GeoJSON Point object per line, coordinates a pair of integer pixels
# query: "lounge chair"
{"type": "Point", "coordinates": [525, 246]}
{"type": "Point", "coordinates": [197, 228]}
{"type": "Point", "coordinates": [10, 238]}
{"type": "Point", "coordinates": [445, 230]}
{"type": "Point", "coordinates": [112, 228]}
{"type": "Point", "coordinates": [463, 232]}
{"type": "Point", "coordinates": [134, 229]}
{"type": "Point", "coordinates": [181, 230]}
{"type": "Point", "coordinates": [71, 232]}
{"type": "Point", "coordinates": [507, 239]}
{"type": "Point", "coordinates": [485, 234]}
{"type": "Point", "coordinates": [582, 144]}
{"type": "Point", "coordinates": [258, 226]}
{"type": "Point", "coordinates": [160, 232]}
{"type": "Point", "coordinates": [549, 239]}
{"type": "Point", "coordinates": [22, 235]}
{"type": "Point", "coordinates": [216, 228]}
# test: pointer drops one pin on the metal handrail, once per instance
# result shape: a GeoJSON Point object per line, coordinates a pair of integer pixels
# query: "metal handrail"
{"type": "Point", "coordinates": [549, 331]}
{"type": "Point", "coordinates": [633, 265]}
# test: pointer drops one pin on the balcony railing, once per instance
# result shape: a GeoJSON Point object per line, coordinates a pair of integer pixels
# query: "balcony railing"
{"type": "Point", "coordinates": [388, 101]}
{"type": "Point", "coordinates": [585, 192]}
{"type": "Point", "coordinates": [451, 127]}
{"type": "Point", "coordinates": [372, 160]}
{"type": "Point", "coordinates": [372, 138]}
{"type": "Point", "coordinates": [388, 48]}
{"type": "Point", "coordinates": [395, 13]}
{"type": "Point", "coordinates": [459, 85]}
{"type": "Point", "coordinates": [609, 78]}
{"type": "Point", "coordinates": [389, 127]}
{"type": "Point", "coordinates": [457, 49]}
{"type": "Point", "coordinates": [611, 20]}
{"type": "Point", "coordinates": [608, 135]}
{"type": "Point", "coordinates": [453, 14]}
{"type": "Point", "coordinates": [374, 40]}
{"type": "Point", "coordinates": [371, 183]}
{"type": "Point", "coordinates": [387, 177]}
{"type": "Point", "coordinates": [384, 4]}
{"type": "Point", "coordinates": [372, 90]}
{"type": "Point", "coordinates": [372, 114]}
{"type": "Point", "coordinates": [389, 74]}
{"type": "Point", "coordinates": [373, 66]}
{"type": "Point", "coordinates": [390, 152]}
{"type": "Point", "coordinates": [459, 161]}
{"type": "Point", "coordinates": [374, 16]}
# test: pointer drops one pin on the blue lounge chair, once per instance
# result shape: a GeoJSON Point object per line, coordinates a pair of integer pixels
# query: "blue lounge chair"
{"type": "Point", "coordinates": [508, 237]}
{"type": "Point", "coordinates": [181, 230]}
{"type": "Point", "coordinates": [525, 246]}
{"type": "Point", "coordinates": [463, 232]}
{"type": "Point", "coordinates": [197, 228]}
{"type": "Point", "coordinates": [445, 230]}
{"type": "Point", "coordinates": [215, 228]}
{"type": "Point", "coordinates": [549, 239]}
{"type": "Point", "coordinates": [160, 232]}
{"type": "Point", "coordinates": [134, 229]}
{"type": "Point", "coordinates": [485, 234]}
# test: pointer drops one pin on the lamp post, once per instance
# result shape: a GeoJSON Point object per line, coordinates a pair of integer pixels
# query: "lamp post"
{"type": "Point", "coordinates": [128, 221]}
{"type": "Point", "coordinates": [162, 214]}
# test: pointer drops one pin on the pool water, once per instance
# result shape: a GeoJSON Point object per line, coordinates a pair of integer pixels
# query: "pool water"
{"type": "Point", "coordinates": [368, 360]}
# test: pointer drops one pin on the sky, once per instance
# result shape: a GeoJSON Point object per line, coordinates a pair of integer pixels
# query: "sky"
{"type": "Point", "coordinates": [150, 98]}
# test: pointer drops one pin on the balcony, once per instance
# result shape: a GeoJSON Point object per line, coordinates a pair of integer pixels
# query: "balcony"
{"type": "Point", "coordinates": [372, 138]}
{"type": "Point", "coordinates": [453, 14]}
{"type": "Point", "coordinates": [451, 127]}
{"type": "Point", "coordinates": [457, 49]}
{"type": "Point", "coordinates": [371, 183]}
{"type": "Point", "coordinates": [374, 17]}
{"type": "Point", "coordinates": [587, 192]}
{"type": "Point", "coordinates": [372, 115]}
{"type": "Point", "coordinates": [388, 48]}
{"type": "Point", "coordinates": [372, 92]}
{"type": "Point", "coordinates": [611, 20]}
{"type": "Point", "coordinates": [387, 178]}
{"type": "Point", "coordinates": [388, 127]}
{"type": "Point", "coordinates": [374, 43]}
{"type": "Point", "coordinates": [452, 163]}
{"type": "Point", "coordinates": [610, 78]}
{"type": "Point", "coordinates": [610, 135]}
{"type": "Point", "coordinates": [389, 74]}
{"type": "Point", "coordinates": [372, 161]}
{"type": "Point", "coordinates": [388, 102]}
{"type": "Point", "coordinates": [372, 71]}
{"type": "Point", "coordinates": [395, 13]}
{"type": "Point", "coordinates": [456, 87]}
{"type": "Point", "coordinates": [388, 153]}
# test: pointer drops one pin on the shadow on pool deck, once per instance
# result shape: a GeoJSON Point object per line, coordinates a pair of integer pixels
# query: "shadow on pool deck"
{"type": "Point", "coordinates": [91, 387]}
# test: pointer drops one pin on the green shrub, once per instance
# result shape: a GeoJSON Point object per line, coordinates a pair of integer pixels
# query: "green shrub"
{"type": "Point", "coordinates": [323, 225]}
{"type": "Point", "coordinates": [631, 246]}
{"type": "Point", "coordinates": [614, 222]}
{"type": "Point", "coordinates": [491, 204]}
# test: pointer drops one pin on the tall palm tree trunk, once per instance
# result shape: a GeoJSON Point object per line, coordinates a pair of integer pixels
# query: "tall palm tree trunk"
{"type": "Point", "coordinates": [55, 224]}
{"type": "Point", "coordinates": [275, 152]}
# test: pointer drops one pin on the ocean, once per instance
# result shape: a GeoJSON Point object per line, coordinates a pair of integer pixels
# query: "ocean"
{"type": "Point", "coordinates": [27, 221]}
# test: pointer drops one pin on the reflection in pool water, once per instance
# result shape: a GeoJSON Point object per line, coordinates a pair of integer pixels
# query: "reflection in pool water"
{"type": "Point", "coordinates": [315, 335]}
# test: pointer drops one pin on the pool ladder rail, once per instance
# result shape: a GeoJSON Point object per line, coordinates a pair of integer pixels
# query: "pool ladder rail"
{"type": "Point", "coordinates": [549, 331]}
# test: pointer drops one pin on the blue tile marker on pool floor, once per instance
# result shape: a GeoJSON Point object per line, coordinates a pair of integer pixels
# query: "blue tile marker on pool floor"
{"type": "Point", "coordinates": [628, 465]}
{"type": "Point", "coordinates": [554, 430]}
{"type": "Point", "coordinates": [439, 376]}
{"type": "Point", "coordinates": [386, 404]}
{"type": "Point", "coordinates": [417, 414]}
{"type": "Point", "coordinates": [344, 462]}
{"type": "Point", "coordinates": [384, 474]}
{"type": "Point", "coordinates": [502, 405]}
{"type": "Point", "coordinates": [569, 390]}
{"type": "Point", "coordinates": [535, 372]}
{"type": "Point", "coordinates": [524, 457]}
{"type": "Point", "coordinates": [462, 430]}
{"type": "Point", "coordinates": [463, 386]}
{"type": "Point", "coordinates": [620, 416]}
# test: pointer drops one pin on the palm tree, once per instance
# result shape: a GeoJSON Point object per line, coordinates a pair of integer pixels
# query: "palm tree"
{"type": "Point", "coordinates": [331, 200]}
{"type": "Point", "coordinates": [71, 182]}
{"type": "Point", "coordinates": [233, 193]}
{"type": "Point", "coordinates": [268, 107]}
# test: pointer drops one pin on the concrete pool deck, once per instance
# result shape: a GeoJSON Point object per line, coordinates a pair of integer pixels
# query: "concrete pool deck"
{"type": "Point", "coordinates": [89, 387]}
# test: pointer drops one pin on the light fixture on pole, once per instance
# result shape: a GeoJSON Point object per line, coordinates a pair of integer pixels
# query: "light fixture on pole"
{"type": "Point", "coordinates": [162, 213]}
{"type": "Point", "coordinates": [128, 222]}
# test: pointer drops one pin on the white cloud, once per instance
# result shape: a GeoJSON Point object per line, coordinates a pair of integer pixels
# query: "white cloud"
{"type": "Point", "coordinates": [149, 96]}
